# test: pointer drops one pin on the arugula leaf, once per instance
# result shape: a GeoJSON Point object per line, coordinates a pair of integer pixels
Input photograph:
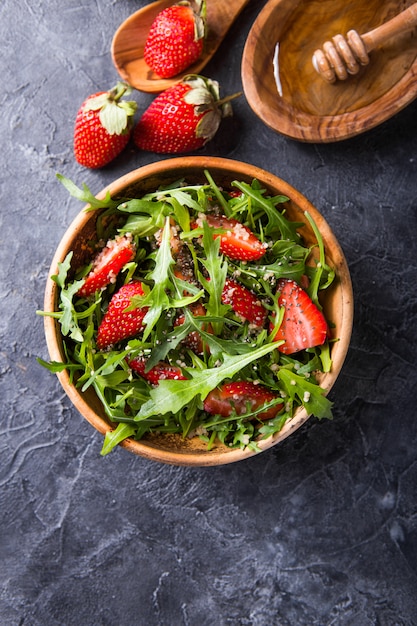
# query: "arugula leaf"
{"type": "Point", "coordinates": [68, 316]}
{"type": "Point", "coordinates": [145, 217]}
{"type": "Point", "coordinates": [110, 362]}
{"type": "Point", "coordinates": [220, 197]}
{"type": "Point", "coordinates": [113, 437]}
{"type": "Point", "coordinates": [216, 267]}
{"type": "Point", "coordinates": [310, 395]}
{"type": "Point", "coordinates": [322, 267]}
{"type": "Point", "coordinates": [63, 269]}
{"type": "Point", "coordinates": [157, 299]}
{"type": "Point", "coordinates": [57, 366]}
{"type": "Point", "coordinates": [180, 194]}
{"type": "Point", "coordinates": [171, 395]}
{"type": "Point", "coordinates": [180, 212]}
{"type": "Point", "coordinates": [276, 221]}
{"type": "Point", "coordinates": [85, 195]}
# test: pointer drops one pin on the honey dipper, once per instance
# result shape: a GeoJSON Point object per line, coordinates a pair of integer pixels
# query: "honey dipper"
{"type": "Point", "coordinates": [343, 56]}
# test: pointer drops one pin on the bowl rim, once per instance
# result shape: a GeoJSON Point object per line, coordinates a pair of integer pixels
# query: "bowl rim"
{"type": "Point", "coordinates": [219, 455]}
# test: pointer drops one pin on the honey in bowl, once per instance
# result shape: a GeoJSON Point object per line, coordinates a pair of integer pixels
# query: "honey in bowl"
{"type": "Point", "coordinates": [312, 23]}
{"type": "Point", "coordinates": [292, 98]}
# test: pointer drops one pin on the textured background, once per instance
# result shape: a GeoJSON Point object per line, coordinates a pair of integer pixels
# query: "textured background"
{"type": "Point", "coordinates": [321, 530]}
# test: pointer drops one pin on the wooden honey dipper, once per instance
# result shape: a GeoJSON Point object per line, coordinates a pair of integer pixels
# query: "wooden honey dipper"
{"type": "Point", "coordinates": [344, 56]}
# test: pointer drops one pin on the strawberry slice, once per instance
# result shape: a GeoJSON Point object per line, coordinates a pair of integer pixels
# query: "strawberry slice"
{"type": "Point", "coordinates": [240, 396]}
{"type": "Point", "coordinates": [237, 242]}
{"type": "Point", "coordinates": [160, 371]}
{"type": "Point", "coordinates": [193, 341]}
{"type": "Point", "coordinates": [303, 325]}
{"type": "Point", "coordinates": [107, 264]}
{"type": "Point", "coordinates": [117, 323]}
{"type": "Point", "coordinates": [184, 269]}
{"type": "Point", "coordinates": [244, 302]}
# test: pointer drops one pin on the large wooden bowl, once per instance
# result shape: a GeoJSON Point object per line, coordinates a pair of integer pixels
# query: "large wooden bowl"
{"type": "Point", "coordinates": [338, 302]}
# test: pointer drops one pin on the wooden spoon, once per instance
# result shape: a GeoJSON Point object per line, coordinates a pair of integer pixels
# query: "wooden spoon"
{"type": "Point", "coordinates": [129, 42]}
{"type": "Point", "coordinates": [343, 56]}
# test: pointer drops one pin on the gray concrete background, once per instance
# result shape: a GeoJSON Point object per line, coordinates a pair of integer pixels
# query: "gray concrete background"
{"type": "Point", "coordinates": [319, 531]}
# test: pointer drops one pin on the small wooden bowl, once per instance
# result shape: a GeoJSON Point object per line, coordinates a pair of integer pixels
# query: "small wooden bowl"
{"type": "Point", "coordinates": [337, 303]}
{"type": "Point", "coordinates": [310, 109]}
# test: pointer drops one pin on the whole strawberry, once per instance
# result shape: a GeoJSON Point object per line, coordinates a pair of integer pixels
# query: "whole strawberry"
{"type": "Point", "coordinates": [183, 117]}
{"type": "Point", "coordinates": [176, 38]}
{"type": "Point", "coordinates": [103, 126]}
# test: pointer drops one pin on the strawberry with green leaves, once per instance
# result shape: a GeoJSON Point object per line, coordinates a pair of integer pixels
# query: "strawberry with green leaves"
{"type": "Point", "coordinates": [103, 127]}
{"type": "Point", "coordinates": [118, 323]}
{"type": "Point", "coordinates": [182, 118]}
{"type": "Point", "coordinates": [107, 264]}
{"type": "Point", "coordinates": [242, 397]}
{"type": "Point", "coordinates": [303, 325]}
{"type": "Point", "coordinates": [176, 38]}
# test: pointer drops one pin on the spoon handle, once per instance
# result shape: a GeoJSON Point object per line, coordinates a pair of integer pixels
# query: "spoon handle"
{"type": "Point", "coordinates": [398, 25]}
{"type": "Point", "coordinates": [343, 56]}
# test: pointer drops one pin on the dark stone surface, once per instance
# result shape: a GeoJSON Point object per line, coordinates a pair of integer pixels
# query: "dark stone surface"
{"type": "Point", "coordinates": [321, 530]}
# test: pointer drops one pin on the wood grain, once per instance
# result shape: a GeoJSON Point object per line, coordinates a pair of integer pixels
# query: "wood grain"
{"type": "Point", "coordinates": [342, 56]}
{"type": "Point", "coordinates": [310, 109]}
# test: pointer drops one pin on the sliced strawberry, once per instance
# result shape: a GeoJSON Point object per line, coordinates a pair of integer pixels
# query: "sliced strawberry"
{"type": "Point", "coordinates": [237, 242]}
{"type": "Point", "coordinates": [160, 371]}
{"type": "Point", "coordinates": [193, 341]}
{"type": "Point", "coordinates": [174, 242]}
{"type": "Point", "coordinates": [303, 325]}
{"type": "Point", "coordinates": [107, 264]}
{"type": "Point", "coordinates": [184, 265]}
{"type": "Point", "coordinates": [119, 324]}
{"type": "Point", "coordinates": [304, 281]}
{"type": "Point", "coordinates": [240, 396]}
{"type": "Point", "coordinates": [186, 277]}
{"type": "Point", "coordinates": [244, 302]}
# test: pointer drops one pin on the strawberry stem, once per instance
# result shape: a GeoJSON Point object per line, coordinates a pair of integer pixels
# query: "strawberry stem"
{"type": "Point", "coordinates": [226, 99]}
{"type": "Point", "coordinates": [118, 91]}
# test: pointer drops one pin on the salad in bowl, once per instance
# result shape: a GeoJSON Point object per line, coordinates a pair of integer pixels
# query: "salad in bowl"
{"type": "Point", "coordinates": [198, 311]}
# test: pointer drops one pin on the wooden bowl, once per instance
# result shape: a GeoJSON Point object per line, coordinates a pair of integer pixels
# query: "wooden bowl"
{"type": "Point", "coordinates": [310, 109]}
{"type": "Point", "coordinates": [338, 302]}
